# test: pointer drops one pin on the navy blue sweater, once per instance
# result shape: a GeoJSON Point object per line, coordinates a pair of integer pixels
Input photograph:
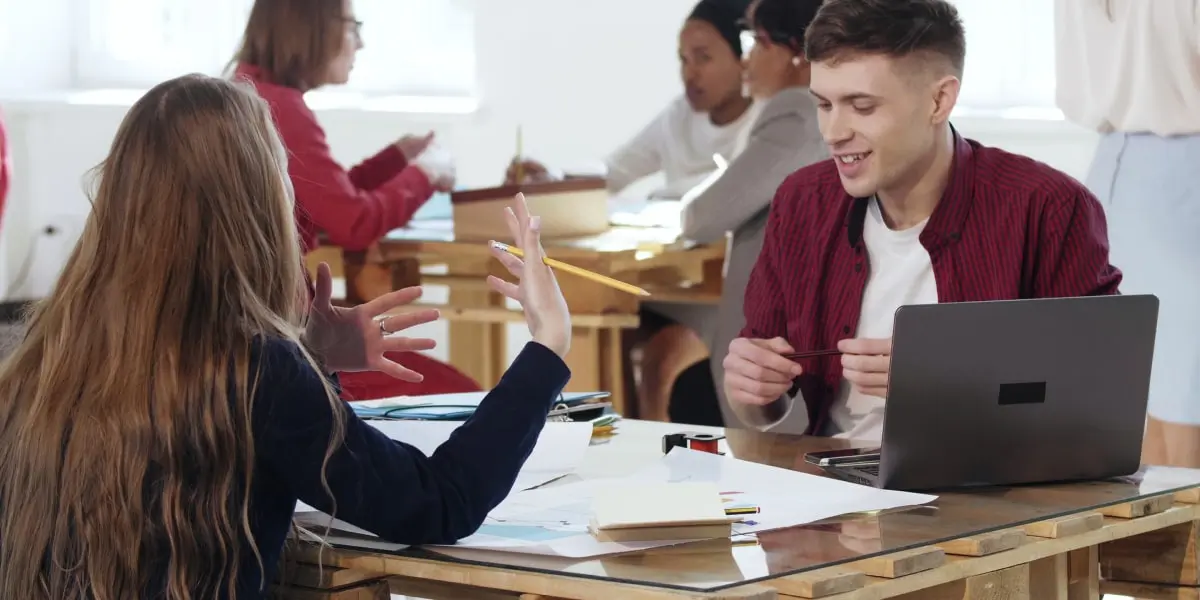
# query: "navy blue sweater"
{"type": "Point", "coordinates": [386, 487]}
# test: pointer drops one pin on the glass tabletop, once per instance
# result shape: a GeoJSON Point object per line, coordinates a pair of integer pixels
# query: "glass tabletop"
{"type": "Point", "coordinates": [703, 567]}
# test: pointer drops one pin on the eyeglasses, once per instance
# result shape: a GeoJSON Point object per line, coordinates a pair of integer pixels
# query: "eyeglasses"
{"type": "Point", "coordinates": [752, 35]}
{"type": "Point", "coordinates": [357, 25]}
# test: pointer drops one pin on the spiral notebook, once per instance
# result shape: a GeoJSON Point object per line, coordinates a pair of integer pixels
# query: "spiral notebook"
{"type": "Point", "coordinates": [459, 407]}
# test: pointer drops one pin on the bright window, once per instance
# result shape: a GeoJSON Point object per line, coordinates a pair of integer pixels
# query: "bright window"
{"type": "Point", "coordinates": [412, 47]}
{"type": "Point", "coordinates": [1010, 55]}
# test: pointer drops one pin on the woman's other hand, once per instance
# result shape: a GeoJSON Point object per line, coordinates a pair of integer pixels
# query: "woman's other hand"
{"type": "Point", "coordinates": [537, 289]}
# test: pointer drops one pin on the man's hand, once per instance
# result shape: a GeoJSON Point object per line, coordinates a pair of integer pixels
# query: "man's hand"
{"type": "Point", "coordinates": [866, 363]}
{"type": "Point", "coordinates": [755, 373]}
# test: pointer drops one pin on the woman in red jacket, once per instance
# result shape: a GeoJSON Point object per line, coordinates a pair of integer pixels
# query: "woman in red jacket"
{"type": "Point", "coordinates": [291, 47]}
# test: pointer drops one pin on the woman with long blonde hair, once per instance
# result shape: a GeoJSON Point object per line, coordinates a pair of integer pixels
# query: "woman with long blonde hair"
{"type": "Point", "coordinates": [170, 401]}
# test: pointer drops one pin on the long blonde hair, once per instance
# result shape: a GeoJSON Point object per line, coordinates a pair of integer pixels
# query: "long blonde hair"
{"type": "Point", "coordinates": [125, 429]}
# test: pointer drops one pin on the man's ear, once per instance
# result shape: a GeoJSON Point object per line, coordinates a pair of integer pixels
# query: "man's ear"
{"type": "Point", "coordinates": [944, 92]}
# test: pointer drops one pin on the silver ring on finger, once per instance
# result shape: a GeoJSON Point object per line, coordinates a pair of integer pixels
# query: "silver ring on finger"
{"type": "Point", "coordinates": [383, 326]}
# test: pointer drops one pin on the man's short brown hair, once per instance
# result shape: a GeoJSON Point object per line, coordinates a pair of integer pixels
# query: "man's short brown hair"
{"type": "Point", "coordinates": [293, 41]}
{"type": "Point", "coordinates": [895, 28]}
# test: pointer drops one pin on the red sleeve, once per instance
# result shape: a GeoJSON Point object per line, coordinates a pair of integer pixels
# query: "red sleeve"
{"type": "Point", "coordinates": [1072, 248]}
{"type": "Point", "coordinates": [765, 318]}
{"type": "Point", "coordinates": [377, 170]}
{"type": "Point", "coordinates": [352, 217]}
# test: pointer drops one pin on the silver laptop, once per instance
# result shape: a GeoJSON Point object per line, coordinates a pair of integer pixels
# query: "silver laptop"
{"type": "Point", "coordinates": [1011, 392]}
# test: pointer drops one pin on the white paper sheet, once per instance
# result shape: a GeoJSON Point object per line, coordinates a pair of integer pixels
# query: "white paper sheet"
{"type": "Point", "coordinates": [553, 520]}
{"type": "Point", "coordinates": [558, 452]}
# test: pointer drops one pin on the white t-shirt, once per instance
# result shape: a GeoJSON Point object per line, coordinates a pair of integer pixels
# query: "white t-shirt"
{"type": "Point", "coordinates": [679, 143]}
{"type": "Point", "coordinates": [900, 274]}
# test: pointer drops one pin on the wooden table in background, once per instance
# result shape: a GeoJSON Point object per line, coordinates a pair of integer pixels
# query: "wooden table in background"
{"type": "Point", "coordinates": [1040, 542]}
{"type": "Point", "coordinates": [648, 257]}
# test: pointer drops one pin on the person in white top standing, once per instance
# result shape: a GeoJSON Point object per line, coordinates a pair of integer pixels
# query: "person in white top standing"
{"type": "Point", "coordinates": [707, 119]}
{"type": "Point", "coordinates": [1130, 70]}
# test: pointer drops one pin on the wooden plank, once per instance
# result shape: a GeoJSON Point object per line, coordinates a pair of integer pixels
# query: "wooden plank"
{"type": "Point", "coordinates": [1048, 578]}
{"type": "Point", "coordinates": [377, 590]}
{"type": "Point", "coordinates": [1167, 555]}
{"type": "Point", "coordinates": [1140, 507]}
{"type": "Point", "coordinates": [1033, 549]}
{"type": "Point", "coordinates": [1005, 584]}
{"type": "Point", "coordinates": [527, 582]}
{"type": "Point", "coordinates": [1083, 574]}
{"type": "Point", "coordinates": [1149, 591]}
{"type": "Point", "coordinates": [1065, 526]}
{"type": "Point", "coordinates": [820, 583]}
{"type": "Point", "coordinates": [1190, 496]}
{"type": "Point", "coordinates": [900, 564]}
{"type": "Point", "coordinates": [984, 544]}
{"type": "Point", "coordinates": [313, 576]}
{"type": "Point", "coordinates": [440, 590]}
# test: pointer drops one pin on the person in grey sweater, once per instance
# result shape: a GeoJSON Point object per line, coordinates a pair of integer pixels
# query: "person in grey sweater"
{"type": "Point", "coordinates": [734, 201]}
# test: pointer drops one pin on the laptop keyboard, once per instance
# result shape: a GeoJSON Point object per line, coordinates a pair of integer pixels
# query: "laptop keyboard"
{"type": "Point", "coordinates": [869, 469]}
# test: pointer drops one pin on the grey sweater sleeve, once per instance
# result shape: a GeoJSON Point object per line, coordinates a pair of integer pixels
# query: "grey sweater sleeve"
{"type": "Point", "coordinates": [776, 149]}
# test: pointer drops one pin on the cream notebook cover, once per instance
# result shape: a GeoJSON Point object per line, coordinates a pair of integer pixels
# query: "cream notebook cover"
{"type": "Point", "coordinates": [659, 505]}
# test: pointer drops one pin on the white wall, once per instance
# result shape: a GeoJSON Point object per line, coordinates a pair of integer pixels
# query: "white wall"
{"type": "Point", "coordinates": [578, 76]}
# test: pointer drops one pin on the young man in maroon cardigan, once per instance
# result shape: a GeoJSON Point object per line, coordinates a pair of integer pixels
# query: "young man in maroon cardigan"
{"type": "Point", "coordinates": [906, 212]}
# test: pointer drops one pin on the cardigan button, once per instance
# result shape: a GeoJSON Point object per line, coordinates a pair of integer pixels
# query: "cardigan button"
{"type": "Point", "coordinates": [846, 330]}
{"type": "Point", "coordinates": [857, 267]}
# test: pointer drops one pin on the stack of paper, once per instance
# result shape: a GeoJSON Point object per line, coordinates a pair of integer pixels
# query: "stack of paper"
{"type": "Point", "coordinates": [665, 511]}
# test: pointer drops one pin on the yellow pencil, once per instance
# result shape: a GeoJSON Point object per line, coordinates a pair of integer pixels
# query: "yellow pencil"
{"type": "Point", "coordinates": [562, 266]}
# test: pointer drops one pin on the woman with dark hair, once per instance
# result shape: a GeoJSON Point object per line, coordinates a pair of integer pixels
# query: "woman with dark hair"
{"type": "Point", "coordinates": [783, 139]}
{"type": "Point", "coordinates": [707, 119]}
{"type": "Point", "coordinates": [294, 46]}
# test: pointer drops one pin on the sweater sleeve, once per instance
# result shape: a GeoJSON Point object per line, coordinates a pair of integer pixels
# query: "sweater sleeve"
{"type": "Point", "coordinates": [744, 190]}
{"type": "Point", "coordinates": [639, 157]}
{"type": "Point", "coordinates": [388, 487]}
{"type": "Point", "coordinates": [352, 215]}
{"type": "Point", "coordinates": [377, 170]}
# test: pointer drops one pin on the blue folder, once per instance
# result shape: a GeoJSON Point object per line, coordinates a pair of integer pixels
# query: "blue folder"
{"type": "Point", "coordinates": [452, 407]}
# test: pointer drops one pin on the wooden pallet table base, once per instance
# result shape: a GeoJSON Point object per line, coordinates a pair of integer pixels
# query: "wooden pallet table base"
{"type": "Point", "coordinates": [1165, 556]}
{"type": "Point", "coordinates": [1057, 559]}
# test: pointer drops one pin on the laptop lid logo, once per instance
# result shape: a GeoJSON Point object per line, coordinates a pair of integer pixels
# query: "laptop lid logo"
{"type": "Point", "coordinates": [1033, 392]}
